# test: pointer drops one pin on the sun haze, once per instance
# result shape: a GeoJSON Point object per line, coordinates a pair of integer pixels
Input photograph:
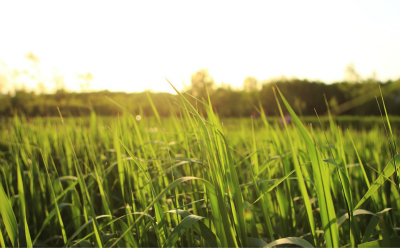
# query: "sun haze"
{"type": "Point", "coordinates": [133, 46]}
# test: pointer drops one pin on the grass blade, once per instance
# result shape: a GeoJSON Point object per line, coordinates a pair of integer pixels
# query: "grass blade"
{"type": "Point", "coordinates": [181, 228]}
{"type": "Point", "coordinates": [299, 174]}
{"type": "Point", "coordinates": [21, 198]}
{"type": "Point", "coordinates": [275, 185]}
{"type": "Point", "coordinates": [201, 228]}
{"type": "Point", "coordinates": [327, 212]}
{"type": "Point", "coordinates": [289, 241]}
{"type": "Point", "coordinates": [175, 183]}
{"type": "Point", "coordinates": [386, 173]}
{"type": "Point", "coordinates": [8, 216]}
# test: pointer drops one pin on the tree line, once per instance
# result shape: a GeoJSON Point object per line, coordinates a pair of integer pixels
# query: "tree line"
{"type": "Point", "coordinates": [306, 97]}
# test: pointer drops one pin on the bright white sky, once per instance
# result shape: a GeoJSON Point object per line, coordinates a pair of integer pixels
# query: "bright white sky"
{"type": "Point", "coordinates": [135, 45]}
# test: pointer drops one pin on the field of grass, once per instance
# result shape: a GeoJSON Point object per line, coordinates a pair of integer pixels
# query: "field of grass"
{"type": "Point", "coordinates": [194, 181]}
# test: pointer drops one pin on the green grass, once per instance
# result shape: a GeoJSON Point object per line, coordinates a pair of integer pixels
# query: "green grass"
{"type": "Point", "coordinates": [194, 180]}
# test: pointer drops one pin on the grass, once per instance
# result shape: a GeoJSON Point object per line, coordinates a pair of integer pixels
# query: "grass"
{"type": "Point", "coordinates": [193, 180]}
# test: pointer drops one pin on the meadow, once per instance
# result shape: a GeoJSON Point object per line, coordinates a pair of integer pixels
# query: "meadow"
{"type": "Point", "coordinates": [193, 180]}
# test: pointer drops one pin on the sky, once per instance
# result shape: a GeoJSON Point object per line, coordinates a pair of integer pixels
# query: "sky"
{"type": "Point", "coordinates": [135, 45]}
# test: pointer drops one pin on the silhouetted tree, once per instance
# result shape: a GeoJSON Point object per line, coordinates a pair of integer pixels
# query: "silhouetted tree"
{"type": "Point", "coordinates": [250, 84]}
{"type": "Point", "coordinates": [200, 82]}
{"type": "Point", "coordinates": [303, 95]}
{"type": "Point", "coordinates": [351, 74]}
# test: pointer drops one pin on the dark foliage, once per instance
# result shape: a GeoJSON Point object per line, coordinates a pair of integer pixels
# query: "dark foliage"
{"type": "Point", "coordinates": [344, 98]}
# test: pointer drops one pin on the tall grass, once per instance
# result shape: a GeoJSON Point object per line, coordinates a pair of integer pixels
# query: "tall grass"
{"type": "Point", "coordinates": [194, 180]}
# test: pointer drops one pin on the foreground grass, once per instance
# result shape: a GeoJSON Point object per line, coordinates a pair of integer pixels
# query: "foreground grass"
{"type": "Point", "coordinates": [191, 180]}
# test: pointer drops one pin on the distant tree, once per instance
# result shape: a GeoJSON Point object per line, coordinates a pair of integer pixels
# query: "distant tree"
{"type": "Point", "coordinates": [41, 88]}
{"type": "Point", "coordinates": [351, 74]}
{"type": "Point", "coordinates": [250, 84]}
{"type": "Point", "coordinates": [35, 75]}
{"type": "Point", "coordinates": [304, 96]}
{"type": "Point", "coordinates": [225, 86]}
{"type": "Point", "coordinates": [3, 77]}
{"type": "Point", "coordinates": [85, 81]}
{"type": "Point", "coordinates": [22, 101]}
{"type": "Point", "coordinates": [5, 104]}
{"type": "Point", "coordinates": [200, 82]}
{"type": "Point", "coordinates": [59, 81]}
{"type": "Point", "coordinates": [373, 78]}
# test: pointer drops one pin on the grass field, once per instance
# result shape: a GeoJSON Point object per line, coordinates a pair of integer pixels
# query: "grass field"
{"type": "Point", "coordinates": [194, 181]}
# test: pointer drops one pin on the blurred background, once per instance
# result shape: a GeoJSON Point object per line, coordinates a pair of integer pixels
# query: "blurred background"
{"type": "Point", "coordinates": [78, 55]}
